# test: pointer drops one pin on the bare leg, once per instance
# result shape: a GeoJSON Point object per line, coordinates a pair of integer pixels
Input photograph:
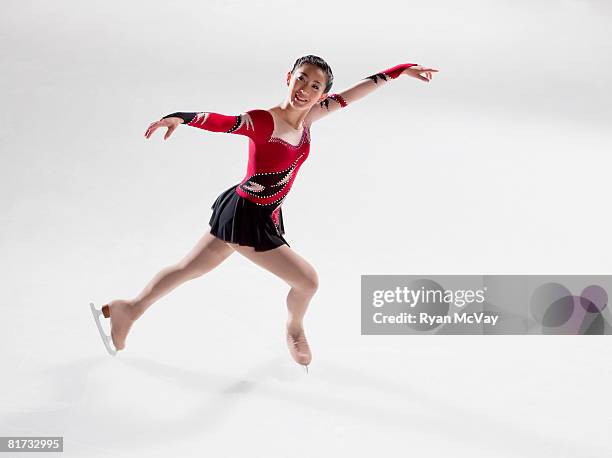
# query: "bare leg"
{"type": "Point", "coordinates": [304, 282]}
{"type": "Point", "coordinates": [208, 253]}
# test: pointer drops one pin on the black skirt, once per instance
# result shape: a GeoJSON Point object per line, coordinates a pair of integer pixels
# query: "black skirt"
{"type": "Point", "coordinates": [238, 220]}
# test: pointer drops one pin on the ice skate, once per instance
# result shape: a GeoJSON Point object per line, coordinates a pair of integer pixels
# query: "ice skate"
{"type": "Point", "coordinates": [298, 348]}
{"type": "Point", "coordinates": [106, 339]}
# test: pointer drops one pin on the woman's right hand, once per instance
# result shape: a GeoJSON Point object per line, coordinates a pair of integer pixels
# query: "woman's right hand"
{"type": "Point", "coordinates": [171, 123]}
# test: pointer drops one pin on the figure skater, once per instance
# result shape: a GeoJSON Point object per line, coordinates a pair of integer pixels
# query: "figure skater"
{"type": "Point", "coordinates": [247, 217]}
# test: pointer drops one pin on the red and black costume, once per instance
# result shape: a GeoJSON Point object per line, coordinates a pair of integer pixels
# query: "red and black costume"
{"type": "Point", "coordinates": [273, 163]}
{"type": "Point", "coordinates": [272, 166]}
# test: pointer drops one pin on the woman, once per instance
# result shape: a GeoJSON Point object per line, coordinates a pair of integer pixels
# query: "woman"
{"type": "Point", "coordinates": [247, 217]}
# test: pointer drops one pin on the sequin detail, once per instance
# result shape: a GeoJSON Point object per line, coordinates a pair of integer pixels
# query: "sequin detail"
{"type": "Point", "coordinates": [263, 185]}
{"type": "Point", "coordinates": [275, 216]}
{"type": "Point", "coordinates": [305, 139]}
{"type": "Point", "coordinates": [336, 97]}
{"type": "Point", "coordinates": [241, 119]}
{"type": "Point", "coordinates": [382, 76]}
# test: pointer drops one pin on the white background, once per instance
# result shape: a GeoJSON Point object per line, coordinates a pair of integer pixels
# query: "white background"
{"type": "Point", "coordinates": [500, 165]}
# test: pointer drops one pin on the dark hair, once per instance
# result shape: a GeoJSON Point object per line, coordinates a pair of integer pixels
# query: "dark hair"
{"type": "Point", "coordinates": [316, 60]}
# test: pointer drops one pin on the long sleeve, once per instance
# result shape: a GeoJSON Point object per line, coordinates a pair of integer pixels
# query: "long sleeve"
{"type": "Point", "coordinates": [241, 124]}
{"type": "Point", "coordinates": [336, 101]}
{"type": "Point", "coordinates": [392, 72]}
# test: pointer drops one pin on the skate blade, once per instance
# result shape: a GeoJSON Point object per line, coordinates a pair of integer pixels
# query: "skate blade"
{"type": "Point", "coordinates": [106, 339]}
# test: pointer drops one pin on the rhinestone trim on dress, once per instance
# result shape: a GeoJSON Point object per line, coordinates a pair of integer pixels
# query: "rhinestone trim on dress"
{"type": "Point", "coordinates": [305, 139]}
{"type": "Point", "coordinates": [252, 187]}
{"type": "Point", "coordinates": [241, 119]}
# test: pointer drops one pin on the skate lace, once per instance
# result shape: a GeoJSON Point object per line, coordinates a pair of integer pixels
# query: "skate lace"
{"type": "Point", "coordinates": [299, 342]}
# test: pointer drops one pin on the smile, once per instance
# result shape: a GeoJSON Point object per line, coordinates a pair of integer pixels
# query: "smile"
{"type": "Point", "coordinates": [300, 99]}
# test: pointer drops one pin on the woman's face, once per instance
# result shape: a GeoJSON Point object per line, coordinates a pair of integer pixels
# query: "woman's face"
{"type": "Point", "coordinates": [306, 86]}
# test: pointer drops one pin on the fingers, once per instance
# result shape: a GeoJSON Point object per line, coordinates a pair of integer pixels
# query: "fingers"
{"type": "Point", "coordinates": [169, 132]}
{"type": "Point", "coordinates": [149, 131]}
{"type": "Point", "coordinates": [420, 76]}
{"type": "Point", "coordinates": [422, 73]}
{"type": "Point", "coordinates": [157, 124]}
{"type": "Point", "coordinates": [152, 128]}
{"type": "Point", "coordinates": [428, 73]}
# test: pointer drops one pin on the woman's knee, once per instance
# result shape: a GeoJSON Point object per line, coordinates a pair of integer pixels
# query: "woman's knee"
{"type": "Point", "coordinates": [189, 271]}
{"type": "Point", "coordinates": [309, 282]}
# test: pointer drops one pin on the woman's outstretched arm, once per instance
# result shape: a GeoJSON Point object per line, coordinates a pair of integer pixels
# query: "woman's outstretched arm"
{"type": "Point", "coordinates": [241, 124]}
{"type": "Point", "coordinates": [334, 101]}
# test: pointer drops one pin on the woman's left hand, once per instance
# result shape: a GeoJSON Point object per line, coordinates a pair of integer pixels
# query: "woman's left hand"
{"type": "Point", "coordinates": [420, 72]}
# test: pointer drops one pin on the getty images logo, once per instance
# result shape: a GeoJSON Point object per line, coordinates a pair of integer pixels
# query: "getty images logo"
{"type": "Point", "coordinates": [486, 304]}
{"type": "Point", "coordinates": [427, 295]}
